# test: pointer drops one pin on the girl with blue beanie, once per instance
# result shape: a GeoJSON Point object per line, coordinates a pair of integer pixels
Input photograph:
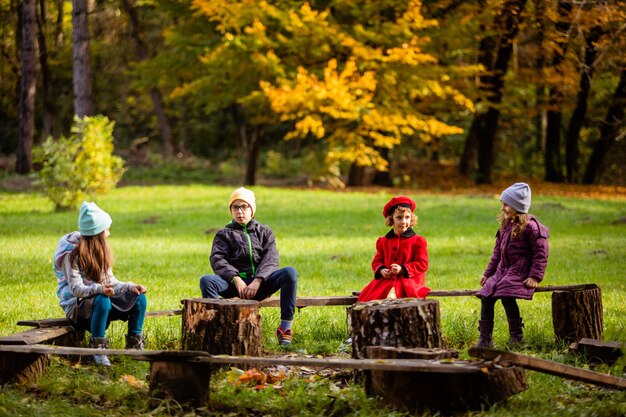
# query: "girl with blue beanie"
{"type": "Point", "coordinates": [88, 292]}
{"type": "Point", "coordinates": [517, 265]}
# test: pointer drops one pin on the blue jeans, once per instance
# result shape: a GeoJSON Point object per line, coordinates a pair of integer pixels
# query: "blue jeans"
{"type": "Point", "coordinates": [284, 279]}
{"type": "Point", "coordinates": [103, 314]}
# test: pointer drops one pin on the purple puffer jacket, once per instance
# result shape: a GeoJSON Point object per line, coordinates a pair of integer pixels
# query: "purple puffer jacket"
{"type": "Point", "coordinates": [514, 260]}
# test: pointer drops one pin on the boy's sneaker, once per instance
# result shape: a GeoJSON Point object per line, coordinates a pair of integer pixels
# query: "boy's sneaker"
{"type": "Point", "coordinates": [284, 336]}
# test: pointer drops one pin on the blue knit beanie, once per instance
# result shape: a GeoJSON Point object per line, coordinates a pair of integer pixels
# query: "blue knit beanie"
{"type": "Point", "coordinates": [517, 196]}
{"type": "Point", "coordinates": [92, 220]}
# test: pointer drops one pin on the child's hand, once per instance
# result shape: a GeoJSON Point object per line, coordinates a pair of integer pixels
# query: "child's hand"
{"type": "Point", "coordinates": [241, 286]}
{"type": "Point", "coordinates": [107, 289]}
{"type": "Point", "coordinates": [531, 282]}
{"type": "Point", "coordinates": [396, 269]}
{"type": "Point", "coordinates": [385, 273]}
{"type": "Point", "coordinates": [139, 289]}
{"type": "Point", "coordinates": [483, 279]}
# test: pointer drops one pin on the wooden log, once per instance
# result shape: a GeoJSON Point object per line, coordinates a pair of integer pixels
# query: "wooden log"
{"type": "Point", "coordinates": [407, 322]}
{"type": "Point", "coordinates": [22, 367]}
{"type": "Point", "coordinates": [222, 327]}
{"type": "Point", "coordinates": [549, 367]}
{"type": "Point", "coordinates": [389, 352]}
{"type": "Point", "coordinates": [416, 391]}
{"type": "Point", "coordinates": [185, 382]}
{"type": "Point", "coordinates": [600, 351]}
{"type": "Point", "coordinates": [577, 314]}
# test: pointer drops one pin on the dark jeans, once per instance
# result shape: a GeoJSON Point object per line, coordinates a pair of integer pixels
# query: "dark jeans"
{"type": "Point", "coordinates": [284, 279]}
{"type": "Point", "coordinates": [488, 304]}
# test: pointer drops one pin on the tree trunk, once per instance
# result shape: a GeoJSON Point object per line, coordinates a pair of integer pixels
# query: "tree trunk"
{"type": "Point", "coordinates": [251, 139]}
{"type": "Point", "coordinates": [356, 175]}
{"type": "Point", "coordinates": [222, 327]}
{"type": "Point", "coordinates": [467, 164]}
{"type": "Point", "coordinates": [24, 163]}
{"type": "Point", "coordinates": [166, 130]}
{"type": "Point", "coordinates": [142, 53]}
{"type": "Point", "coordinates": [254, 150]}
{"type": "Point", "coordinates": [383, 178]}
{"type": "Point", "coordinates": [47, 100]}
{"type": "Point", "coordinates": [572, 151]}
{"type": "Point", "coordinates": [405, 322]}
{"type": "Point", "coordinates": [540, 88]}
{"type": "Point", "coordinates": [609, 131]}
{"type": "Point", "coordinates": [81, 69]}
{"type": "Point", "coordinates": [552, 157]}
{"type": "Point", "coordinates": [485, 125]}
{"type": "Point", "coordinates": [58, 27]}
{"type": "Point", "coordinates": [577, 314]}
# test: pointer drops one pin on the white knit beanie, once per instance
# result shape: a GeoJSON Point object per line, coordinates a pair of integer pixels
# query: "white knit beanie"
{"type": "Point", "coordinates": [517, 196]}
{"type": "Point", "coordinates": [245, 195]}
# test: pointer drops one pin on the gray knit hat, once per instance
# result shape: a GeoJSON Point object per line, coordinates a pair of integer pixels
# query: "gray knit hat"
{"type": "Point", "coordinates": [517, 196]}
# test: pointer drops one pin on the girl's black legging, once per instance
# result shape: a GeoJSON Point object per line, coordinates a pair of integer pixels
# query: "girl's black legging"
{"type": "Point", "coordinates": [487, 305]}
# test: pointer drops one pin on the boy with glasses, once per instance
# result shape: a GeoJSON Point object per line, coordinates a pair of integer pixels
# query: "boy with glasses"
{"type": "Point", "coordinates": [244, 259]}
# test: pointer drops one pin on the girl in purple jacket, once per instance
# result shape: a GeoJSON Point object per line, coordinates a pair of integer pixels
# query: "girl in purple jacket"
{"type": "Point", "coordinates": [517, 265]}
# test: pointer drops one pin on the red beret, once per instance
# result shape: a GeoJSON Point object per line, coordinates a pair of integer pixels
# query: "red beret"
{"type": "Point", "coordinates": [398, 201]}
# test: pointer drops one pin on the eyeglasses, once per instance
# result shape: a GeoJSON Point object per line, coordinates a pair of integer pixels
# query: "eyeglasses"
{"type": "Point", "coordinates": [234, 208]}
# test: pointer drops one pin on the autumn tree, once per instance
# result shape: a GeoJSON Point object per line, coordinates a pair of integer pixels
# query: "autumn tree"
{"type": "Point", "coordinates": [352, 75]}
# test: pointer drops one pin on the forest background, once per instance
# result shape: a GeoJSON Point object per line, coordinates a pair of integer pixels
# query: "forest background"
{"type": "Point", "coordinates": [336, 92]}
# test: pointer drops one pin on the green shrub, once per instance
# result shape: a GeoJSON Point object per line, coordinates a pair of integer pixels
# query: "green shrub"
{"type": "Point", "coordinates": [80, 165]}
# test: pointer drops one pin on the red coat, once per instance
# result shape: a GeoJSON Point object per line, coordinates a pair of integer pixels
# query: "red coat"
{"type": "Point", "coordinates": [407, 250]}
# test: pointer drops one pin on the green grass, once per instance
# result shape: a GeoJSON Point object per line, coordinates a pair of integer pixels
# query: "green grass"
{"type": "Point", "coordinates": [161, 236]}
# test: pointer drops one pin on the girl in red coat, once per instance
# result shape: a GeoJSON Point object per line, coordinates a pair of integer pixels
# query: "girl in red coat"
{"type": "Point", "coordinates": [401, 258]}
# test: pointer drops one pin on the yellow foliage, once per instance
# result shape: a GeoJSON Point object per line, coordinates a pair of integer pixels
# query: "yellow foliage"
{"type": "Point", "coordinates": [369, 92]}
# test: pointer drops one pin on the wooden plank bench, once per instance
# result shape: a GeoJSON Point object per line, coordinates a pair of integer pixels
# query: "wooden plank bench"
{"type": "Point", "coordinates": [302, 302]}
{"type": "Point", "coordinates": [62, 324]}
{"type": "Point", "coordinates": [185, 375]}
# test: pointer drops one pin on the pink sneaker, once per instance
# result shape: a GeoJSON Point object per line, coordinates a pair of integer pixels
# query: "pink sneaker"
{"type": "Point", "coordinates": [284, 336]}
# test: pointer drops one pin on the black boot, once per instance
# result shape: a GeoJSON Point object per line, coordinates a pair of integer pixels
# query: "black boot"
{"type": "Point", "coordinates": [135, 341]}
{"type": "Point", "coordinates": [100, 343]}
{"type": "Point", "coordinates": [516, 334]}
{"type": "Point", "coordinates": [485, 340]}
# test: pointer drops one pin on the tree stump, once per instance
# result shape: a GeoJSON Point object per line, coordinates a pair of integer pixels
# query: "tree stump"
{"type": "Point", "coordinates": [21, 367]}
{"type": "Point", "coordinates": [185, 382]}
{"type": "Point", "coordinates": [405, 322]}
{"type": "Point", "coordinates": [222, 326]}
{"type": "Point", "coordinates": [577, 314]}
{"type": "Point", "coordinates": [469, 385]}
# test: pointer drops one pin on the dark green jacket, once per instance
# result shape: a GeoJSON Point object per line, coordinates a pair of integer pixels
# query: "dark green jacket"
{"type": "Point", "coordinates": [248, 251]}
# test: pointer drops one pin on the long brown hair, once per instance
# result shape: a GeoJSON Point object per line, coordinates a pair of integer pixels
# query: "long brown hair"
{"type": "Point", "coordinates": [93, 257]}
{"type": "Point", "coordinates": [520, 221]}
